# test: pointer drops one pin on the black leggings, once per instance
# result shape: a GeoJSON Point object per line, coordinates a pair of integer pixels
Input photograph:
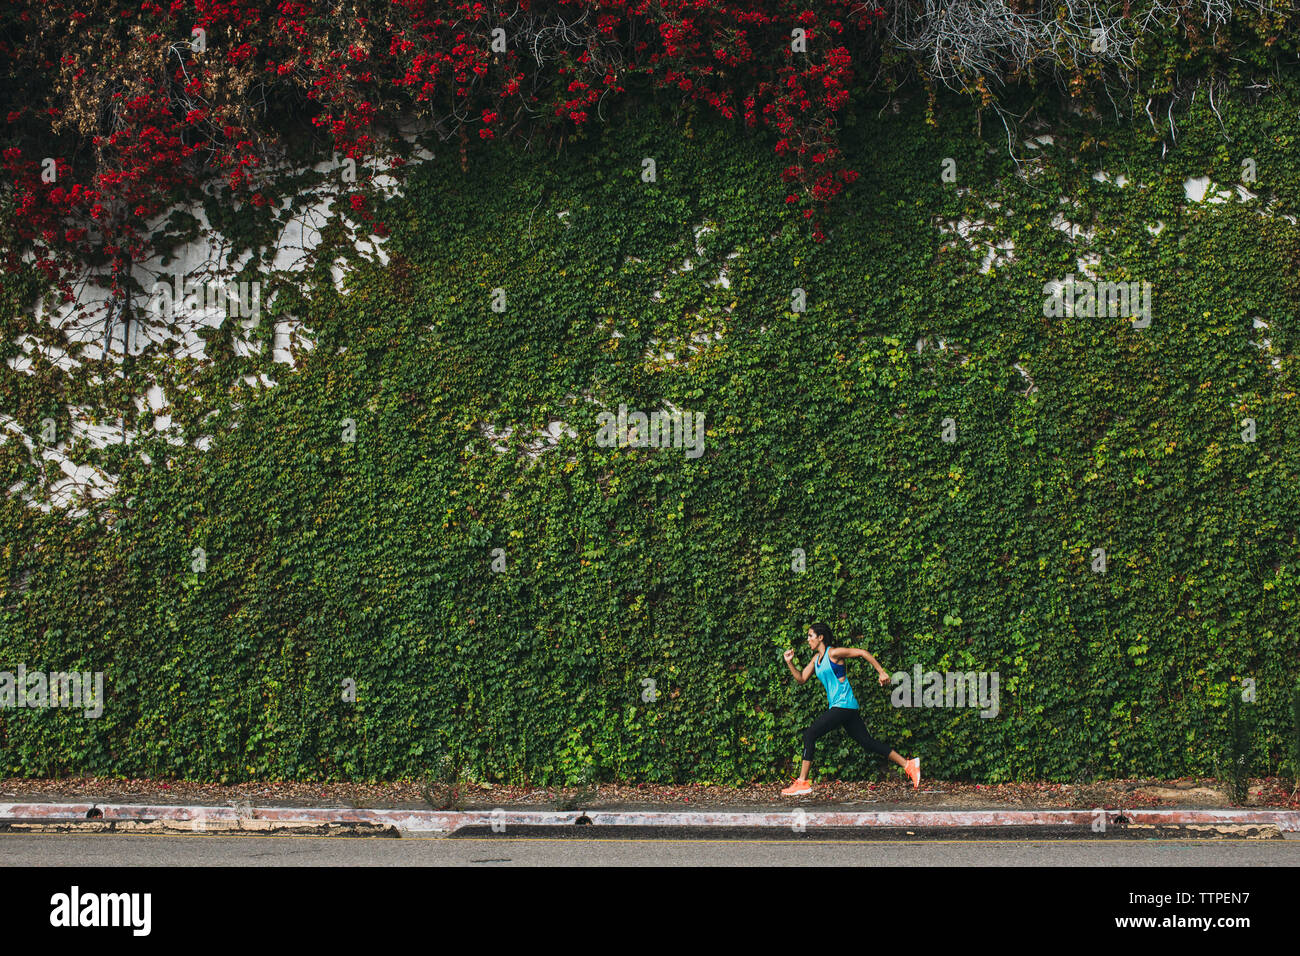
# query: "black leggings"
{"type": "Point", "coordinates": [850, 720]}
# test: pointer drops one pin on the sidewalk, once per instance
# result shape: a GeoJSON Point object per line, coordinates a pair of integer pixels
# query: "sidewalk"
{"type": "Point", "coordinates": [896, 792]}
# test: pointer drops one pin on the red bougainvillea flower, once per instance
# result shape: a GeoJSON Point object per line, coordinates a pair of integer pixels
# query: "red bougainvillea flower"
{"type": "Point", "coordinates": [169, 130]}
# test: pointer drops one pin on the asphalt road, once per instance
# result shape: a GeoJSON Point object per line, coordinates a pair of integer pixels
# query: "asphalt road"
{"type": "Point", "coordinates": [55, 849]}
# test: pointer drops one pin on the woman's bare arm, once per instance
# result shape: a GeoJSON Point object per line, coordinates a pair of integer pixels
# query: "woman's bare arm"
{"type": "Point", "coordinates": [807, 671]}
{"type": "Point", "coordinates": [840, 653]}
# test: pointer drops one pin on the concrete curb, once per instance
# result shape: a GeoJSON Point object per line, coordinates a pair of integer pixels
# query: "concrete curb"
{"type": "Point", "coordinates": [165, 827]}
{"type": "Point", "coordinates": [448, 821]}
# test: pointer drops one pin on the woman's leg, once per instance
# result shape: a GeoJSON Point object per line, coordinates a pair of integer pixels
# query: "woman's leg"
{"type": "Point", "coordinates": [820, 727]}
{"type": "Point", "coordinates": [858, 731]}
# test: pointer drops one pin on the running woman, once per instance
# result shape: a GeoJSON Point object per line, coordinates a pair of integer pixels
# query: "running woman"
{"type": "Point", "coordinates": [828, 662]}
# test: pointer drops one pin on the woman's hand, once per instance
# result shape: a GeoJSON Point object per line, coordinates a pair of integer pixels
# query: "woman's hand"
{"type": "Point", "coordinates": [884, 678]}
{"type": "Point", "coordinates": [789, 655]}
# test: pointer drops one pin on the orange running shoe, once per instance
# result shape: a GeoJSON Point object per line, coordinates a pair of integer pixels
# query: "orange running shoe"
{"type": "Point", "coordinates": [913, 768]}
{"type": "Point", "coordinates": [796, 788]}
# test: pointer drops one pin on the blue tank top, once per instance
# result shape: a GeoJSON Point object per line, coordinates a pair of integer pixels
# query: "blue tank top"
{"type": "Point", "coordinates": [835, 679]}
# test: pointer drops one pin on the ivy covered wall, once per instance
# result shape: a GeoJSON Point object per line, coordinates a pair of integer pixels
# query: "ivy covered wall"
{"type": "Point", "coordinates": [350, 517]}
